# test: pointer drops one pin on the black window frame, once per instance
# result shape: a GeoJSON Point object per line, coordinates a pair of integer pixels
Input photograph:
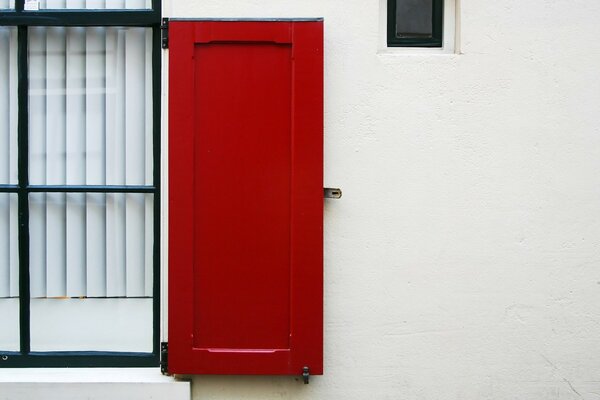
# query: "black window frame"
{"type": "Point", "coordinates": [22, 20]}
{"type": "Point", "coordinates": [437, 24]}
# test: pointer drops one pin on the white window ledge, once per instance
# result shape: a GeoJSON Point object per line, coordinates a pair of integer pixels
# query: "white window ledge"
{"type": "Point", "coordinates": [90, 383]}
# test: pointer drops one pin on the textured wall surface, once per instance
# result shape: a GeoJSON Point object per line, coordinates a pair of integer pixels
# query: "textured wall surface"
{"type": "Point", "coordinates": [463, 261]}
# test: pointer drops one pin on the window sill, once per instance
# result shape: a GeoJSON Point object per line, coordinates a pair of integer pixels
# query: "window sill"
{"type": "Point", "coordinates": [392, 52]}
{"type": "Point", "coordinates": [90, 383]}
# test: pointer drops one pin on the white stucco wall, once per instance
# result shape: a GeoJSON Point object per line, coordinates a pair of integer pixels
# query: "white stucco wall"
{"type": "Point", "coordinates": [463, 261]}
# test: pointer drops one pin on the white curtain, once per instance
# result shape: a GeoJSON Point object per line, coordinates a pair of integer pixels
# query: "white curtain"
{"type": "Point", "coordinates": [9, 251]}
{"type": "Point", "coordinates": [4, 4]}
{"type": "Point", "coordinates": [9, 273]}
{"type": "Point", "coordinates": [90, 123]}
{"type": "Point", "coordinates": [8, 106]}
{"type": "Point", "coordinates": [96, 4]}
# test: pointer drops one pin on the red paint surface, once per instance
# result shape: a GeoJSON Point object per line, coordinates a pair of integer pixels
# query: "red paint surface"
{"type": "Point", "coordinates": [245, 197]}
{"type": "Point", "coordinates": [242, 195]}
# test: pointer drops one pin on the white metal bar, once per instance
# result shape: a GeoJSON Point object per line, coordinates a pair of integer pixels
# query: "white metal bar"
{"type": "Point", "coordinates": [75, 174]}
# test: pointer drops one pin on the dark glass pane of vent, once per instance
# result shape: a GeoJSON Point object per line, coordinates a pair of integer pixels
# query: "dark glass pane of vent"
{"type": "Point", "coordinates": [414, 18]}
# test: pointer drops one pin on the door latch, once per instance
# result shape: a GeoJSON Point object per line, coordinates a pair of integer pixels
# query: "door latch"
{"type": "Point", "coordinates": [332, 193]}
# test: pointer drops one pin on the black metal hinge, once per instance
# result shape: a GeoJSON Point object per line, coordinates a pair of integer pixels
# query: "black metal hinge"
{"type": "Point", "coordinates": [164, 29]}
{"type": "Point", "coordinates": [164, 358]}
{"type": "Point", "coordinates": [306, 375]}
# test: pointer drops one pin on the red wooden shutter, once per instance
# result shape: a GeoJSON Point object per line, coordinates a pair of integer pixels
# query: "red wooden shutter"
{"type": "Point", "coordinates": [245, 197]}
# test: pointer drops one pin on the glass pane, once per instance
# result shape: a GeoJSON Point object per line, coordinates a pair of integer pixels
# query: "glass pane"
{"type": "Point", "coordinates": [95, 4]}
{"type": "Point", "coordinates": [414, 18]}
{"type": "Point", "coordinates": [8, 104]}
{"type": "Point", "coordinates": [90, 111]}
{"type": "Point", "coordinates": [4, 4]}
{"type": "Point", "coordinates": [91, 325]}
{"type": "Point", "coordinates": [91, 245]}
{"type": "Point", "coordinates": [91, 264]}
{"type": "Point", "coordinates": [9, 273]}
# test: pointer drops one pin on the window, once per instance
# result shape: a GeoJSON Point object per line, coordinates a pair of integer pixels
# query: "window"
{"type": "Point", "coordinates": [415, 23]}
{"type": "Point", "coordinates": [79, 182]}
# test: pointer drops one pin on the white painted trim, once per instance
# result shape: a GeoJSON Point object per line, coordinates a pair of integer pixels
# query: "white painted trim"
{"type": "Point", "coordinates": [164, 196]}
{"type": "Point", "coordinates": [84, 375]}
{"type": "Point", "coordinates": [90, 383]}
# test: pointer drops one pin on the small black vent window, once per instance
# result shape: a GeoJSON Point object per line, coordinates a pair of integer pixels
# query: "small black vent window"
{"type": "Point", "coordinates": [415, 23]}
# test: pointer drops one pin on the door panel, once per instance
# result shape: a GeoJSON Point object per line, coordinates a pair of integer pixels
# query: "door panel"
{"type": "Point", "coordinates": [245, 197]}
{"type": "Point", "coordinates": [242, 195]}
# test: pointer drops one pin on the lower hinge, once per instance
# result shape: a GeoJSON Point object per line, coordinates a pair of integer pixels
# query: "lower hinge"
{"type": "Point", "coordinates": [305, 375]}
{"type": "Point", "coordinates": [164, 358]}
{"type": "Point", "coordinates": [164, 29]}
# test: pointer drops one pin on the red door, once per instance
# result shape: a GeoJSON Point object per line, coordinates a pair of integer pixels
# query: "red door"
{"type": "Point", "coordinates": [245, 197]}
